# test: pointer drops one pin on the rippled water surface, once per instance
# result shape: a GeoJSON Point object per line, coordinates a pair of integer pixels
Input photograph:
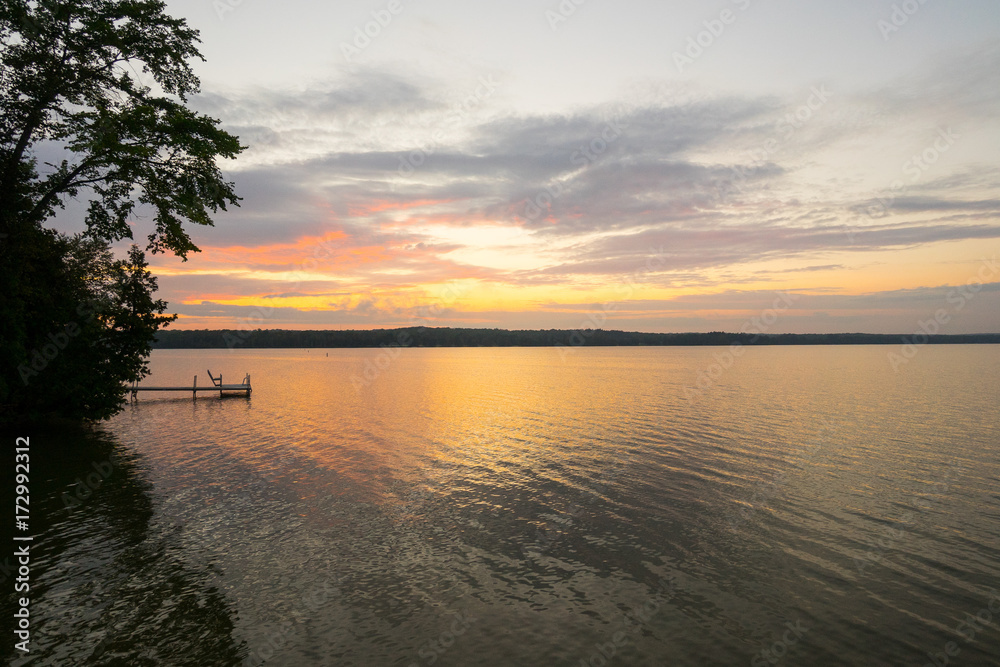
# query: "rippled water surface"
{"type": "Point", "coordinates": [531, 507]}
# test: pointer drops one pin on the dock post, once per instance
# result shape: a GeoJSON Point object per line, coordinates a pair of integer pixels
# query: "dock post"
{"type": "Point", "coordinates": [194, 388]}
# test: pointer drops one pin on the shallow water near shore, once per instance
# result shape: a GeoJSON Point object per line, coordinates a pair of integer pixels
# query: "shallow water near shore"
{"type": "Point", "coordinates": [531, 506]}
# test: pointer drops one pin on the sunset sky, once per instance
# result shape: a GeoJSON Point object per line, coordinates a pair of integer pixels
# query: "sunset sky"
{"type": "Point", "coordinates": [666, 166]}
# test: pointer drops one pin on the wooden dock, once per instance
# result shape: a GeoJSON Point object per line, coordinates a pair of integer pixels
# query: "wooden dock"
{"type": "Point", "coordinates": [217, 385]}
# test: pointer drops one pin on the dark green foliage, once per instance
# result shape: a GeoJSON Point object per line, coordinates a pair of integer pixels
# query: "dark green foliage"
{"type": "Point", "coordinates": [70, 84]}
{"type": "Point", "coordinates": [83, 331]}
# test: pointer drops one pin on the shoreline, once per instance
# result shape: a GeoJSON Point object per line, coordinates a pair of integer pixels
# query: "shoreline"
{"type": "Point", "coordinates": [453, 337]}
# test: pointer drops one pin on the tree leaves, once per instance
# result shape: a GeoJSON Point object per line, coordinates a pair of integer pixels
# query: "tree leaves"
{"type": "Point", "coordinates": [69, 74]}
{"type": "Point", "coordinates": [106, 83]}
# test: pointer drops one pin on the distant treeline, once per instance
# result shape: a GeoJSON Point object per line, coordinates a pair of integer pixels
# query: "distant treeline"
{"type": "Point", "coordinates": [449, 337]}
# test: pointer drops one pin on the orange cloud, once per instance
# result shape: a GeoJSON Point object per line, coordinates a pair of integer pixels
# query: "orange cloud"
{"type": "Point", "coordinates": [329, 252]}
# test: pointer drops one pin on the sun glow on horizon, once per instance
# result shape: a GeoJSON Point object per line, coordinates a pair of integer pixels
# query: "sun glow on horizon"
{"type": "Point", "coordinates": [478, 191]}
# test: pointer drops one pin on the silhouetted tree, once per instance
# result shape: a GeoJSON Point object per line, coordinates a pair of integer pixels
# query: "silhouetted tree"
{"type": "Point", "coordinates": [77, 322]}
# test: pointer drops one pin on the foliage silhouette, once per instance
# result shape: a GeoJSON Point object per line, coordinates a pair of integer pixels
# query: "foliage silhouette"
{"type": "Point", "coordinates": [76, 81]}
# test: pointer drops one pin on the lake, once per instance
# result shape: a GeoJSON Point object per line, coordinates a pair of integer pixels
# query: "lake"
{"type": "Point", "coordinates": [530, 506]}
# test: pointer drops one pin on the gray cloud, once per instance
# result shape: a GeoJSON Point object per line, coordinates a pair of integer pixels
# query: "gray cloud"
{"type": "Point", "coordinates": [609, 185]}
{"type": "Point", "coordinates": [360, 93]}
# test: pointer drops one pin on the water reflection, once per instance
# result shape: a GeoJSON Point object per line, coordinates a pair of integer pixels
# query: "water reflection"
{"type": "Point", "coordinates": [508, 507]}
{"type": "Point", "coordinates": [110, 582]}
